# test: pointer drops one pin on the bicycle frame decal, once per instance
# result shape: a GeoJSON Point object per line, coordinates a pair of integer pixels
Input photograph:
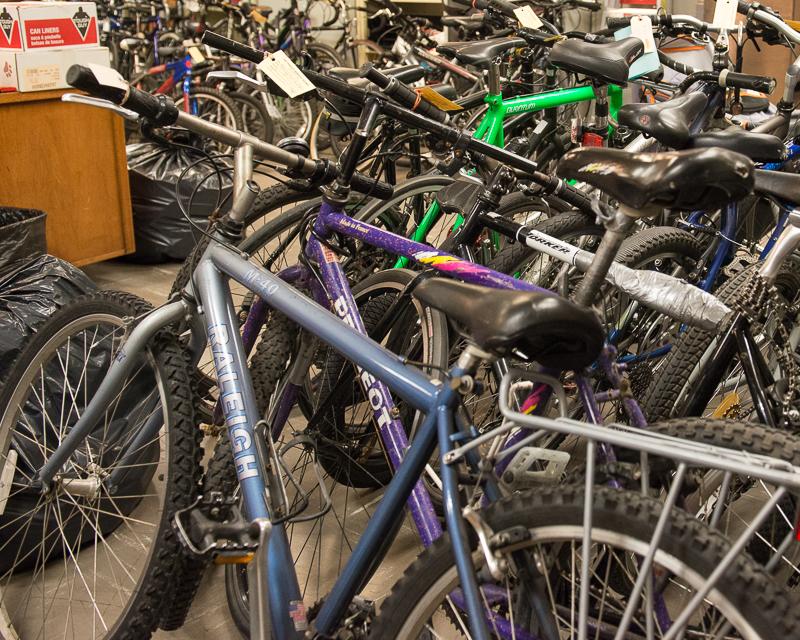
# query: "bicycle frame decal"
{"type": "Point", "coordinates": [231, 398]}
{"type": "Point", "coordinates": [376, 399]}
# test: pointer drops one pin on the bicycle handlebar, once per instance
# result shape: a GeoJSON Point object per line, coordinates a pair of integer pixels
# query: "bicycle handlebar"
{"type": "Point", "coordinates": [402, 93]}
{"type": "Point", "coordinates": [161, 111]}
{"type": "Point", "coordinates": [730, 79]}
{"type": "Point", "coordinates": [551, 184]}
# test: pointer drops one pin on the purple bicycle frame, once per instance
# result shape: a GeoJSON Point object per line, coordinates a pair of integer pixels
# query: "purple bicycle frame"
{"type": "Point", "coordinates": [332, 290]}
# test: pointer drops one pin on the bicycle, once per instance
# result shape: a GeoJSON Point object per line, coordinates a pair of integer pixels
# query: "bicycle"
{"type": "Point", "coordinates": [409, 382]}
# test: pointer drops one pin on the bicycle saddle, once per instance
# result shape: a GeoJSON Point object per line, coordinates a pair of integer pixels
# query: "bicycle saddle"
{"type": "Point", "coordinates": [759, 147]}
{"type": "Point", "coordinates": [480, 53]}
{"type": "Point", "coordinates": [407, 73]}
{"type": "Point", "coordinates": [694, 179]}
{"type": "Point", "coordinates": [783, 186]}
{"type": "Point", "coordinates": [668, 122]}
{"type": "Point", "coordinates": [606, 61]}
{"type": "Point", "coordinates": [543, 327]}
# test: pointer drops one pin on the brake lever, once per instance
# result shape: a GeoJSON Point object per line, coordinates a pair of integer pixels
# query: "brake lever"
{"type": "Point", "coordinates": [102, 104]}
{"type": "Point", "coordinates": [238, 75]}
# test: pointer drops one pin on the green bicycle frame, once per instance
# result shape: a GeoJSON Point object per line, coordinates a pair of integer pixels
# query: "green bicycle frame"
{"type": "Point", "coordinates": [490, 130]}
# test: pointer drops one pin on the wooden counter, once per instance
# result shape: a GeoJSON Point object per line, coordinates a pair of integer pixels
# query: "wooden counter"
{"type": "Point", "coordinates": [69, 161]}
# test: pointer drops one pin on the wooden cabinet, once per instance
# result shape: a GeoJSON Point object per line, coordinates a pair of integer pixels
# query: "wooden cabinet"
{"type": "Point", "coordinates": [69, 161]}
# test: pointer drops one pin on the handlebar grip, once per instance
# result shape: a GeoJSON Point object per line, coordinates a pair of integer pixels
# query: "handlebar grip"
{"type": "Point", "coordinates": [371, 186]}
{"type": "Point", "coordinates": [160, 110]}
{"type": "Point", "coordinates": [588, 4]}
{"type": "Point", "coordinates": [575, 197]}
{"type": "Point", "coordinates": [618, 23]}
{"type": "Point", "coordinates": [83, 78]}
{"type": "Point", "coordinates": [231, 46]}
{"type": "Point", "coordinates": [404, 95]}
{"type": "Point", "coordinates": [744, 7]}
{"type": "Point", "coordinates": [763, 84]}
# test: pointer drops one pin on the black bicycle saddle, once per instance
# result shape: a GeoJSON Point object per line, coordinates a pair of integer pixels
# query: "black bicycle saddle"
{"type": "Point", "coordinates": [694, 179]}
{"type": "Point", "coordinates": [480, 53]}
{"type": "Point", "coordinates": [759, 147]}
{"type": "Point", "coordinates": [544, 327]}
{"type": "Point", "coordinates": [606, 61]}
{"type": "Point", "coordinates": [668, 122]}
{"type": "Point", "coordinates": [783, 186]}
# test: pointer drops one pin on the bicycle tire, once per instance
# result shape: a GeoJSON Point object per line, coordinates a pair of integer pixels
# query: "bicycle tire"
{"type": "Point", "coordinates": [755, 439]}
{"type": "Point", "coordinates": [182, 450]}
{"type": "Point", "coordinates": [255, 119]}
{"type": "Point", "coordinates": [228, 112]}
{"type": "Point", "coordinates": [666, 395]}
{"type": "Point", "coordinates": [619, 517]}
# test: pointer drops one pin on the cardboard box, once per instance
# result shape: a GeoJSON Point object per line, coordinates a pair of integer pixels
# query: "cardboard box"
{"type": "Point", "coordinates": [10, 36]}
{"type": "Point", "coordinates": [8, 70]}
{"type": "Point", "coordinates": [47, 69]}
{"type": "Point", "coordinates": [33, 26]}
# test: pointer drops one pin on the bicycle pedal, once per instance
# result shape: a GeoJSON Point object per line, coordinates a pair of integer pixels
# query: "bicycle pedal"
{"type": "Point", "coordinates": [234, 538]}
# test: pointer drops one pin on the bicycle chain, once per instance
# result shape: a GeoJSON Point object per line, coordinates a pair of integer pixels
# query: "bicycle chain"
{"type": "Point", "coordinates": [757, 300]}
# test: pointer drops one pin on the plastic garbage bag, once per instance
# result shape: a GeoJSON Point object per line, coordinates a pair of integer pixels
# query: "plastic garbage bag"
{"type": "Point", "coordinates": [22, 235]}
{"type": "Point", "coordinates": [162, 232]}
{"type": "Point", "coordinates": [29, 294]}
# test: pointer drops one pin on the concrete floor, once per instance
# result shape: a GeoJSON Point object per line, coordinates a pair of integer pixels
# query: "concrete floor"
{"type": "Point", "coordinates": [320, 547]}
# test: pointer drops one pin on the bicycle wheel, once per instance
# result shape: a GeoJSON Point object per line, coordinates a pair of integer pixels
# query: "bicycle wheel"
{"type": "Point", "coordinates": [677, 376]}
{"type": "Point", "coordinates": [729, 505]}
{"type": "Point", "coordinates": [215, 107]}
{"type": "Point", "coordinates": [255, 119]}
{"type": "Point", "coordinates": [94, 557]}
{"type": "Point", "coordinates": [548, 531]}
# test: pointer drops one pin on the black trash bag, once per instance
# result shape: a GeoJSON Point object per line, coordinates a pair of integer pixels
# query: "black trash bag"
{"type": "Point", "coordinates": [162, 232]}
{"type": "Point", "coordinates": [29, 295]}
{"type": "Point", "coordinates": [22, 236]}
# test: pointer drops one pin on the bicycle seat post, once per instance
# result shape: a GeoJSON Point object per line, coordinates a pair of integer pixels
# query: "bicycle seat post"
{"type": "Point", "coordinates": [493, 79]}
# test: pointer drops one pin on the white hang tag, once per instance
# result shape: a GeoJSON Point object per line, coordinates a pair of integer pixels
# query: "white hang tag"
{"type": "Point", "coordinates": [107, 76]}
{"type": "Point", "coordinates": [193, 6]}
{"type": "Point", "coordinates": [642, 28]}
{"type": "Point", "coordinates": [527, 17]}
{"type": "Point", "coordinates": [285, 73]}
{"type": "Point", "coordinates": [725, 14]}
{"type": "Point", "coordinates": [196, 55]}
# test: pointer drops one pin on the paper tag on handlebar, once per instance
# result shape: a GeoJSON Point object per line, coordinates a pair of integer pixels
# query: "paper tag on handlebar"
{"type": "Point", "coordinates": [642, 28]}
{"type": "Point", "coordinates": [107, 76]}
{"type": "Point", "coordinates": [196, 55]}
{"type": "Point", "coordinates": [437, 100]}
{"type": "Point", "coordinates": [725, 14]}
{"type": "Point", "coordinates": [193, 6]}
{"type": "Point", "coordinates": [285, 73]}
{"type": "Point", "coordinates": [527, 17]}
